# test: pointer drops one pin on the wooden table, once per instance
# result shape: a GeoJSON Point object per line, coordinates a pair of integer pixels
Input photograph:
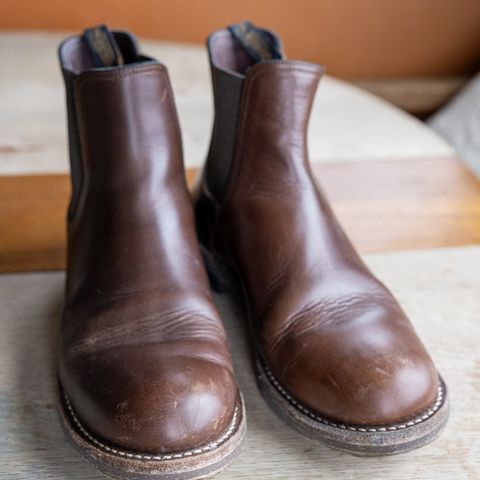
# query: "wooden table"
{"type": "Point", "coordinates": [398, 189]}
{"type": "Point", "coordinates": [383, 205]}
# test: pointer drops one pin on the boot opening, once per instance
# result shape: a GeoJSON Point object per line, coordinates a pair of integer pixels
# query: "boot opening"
{"type": "Point", "coordinates": [242, 45]}
{"type": "Point", "coordinates": [99, 47]}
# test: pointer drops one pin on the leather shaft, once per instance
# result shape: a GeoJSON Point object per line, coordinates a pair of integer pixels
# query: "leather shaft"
{"type": "Point", "coordinates": [331, 333]}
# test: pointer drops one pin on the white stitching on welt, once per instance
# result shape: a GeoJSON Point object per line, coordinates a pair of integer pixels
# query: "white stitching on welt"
{"type": "Point", "coordinates": [425, 416]}
{"type": "Point", "coordinates": [123, 453]}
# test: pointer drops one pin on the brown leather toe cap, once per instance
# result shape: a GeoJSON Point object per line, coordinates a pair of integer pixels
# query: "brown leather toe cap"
{"type": "Point", "coordinates": [370, 370]}
{"type": "Point", "coordinates": [153, 399]}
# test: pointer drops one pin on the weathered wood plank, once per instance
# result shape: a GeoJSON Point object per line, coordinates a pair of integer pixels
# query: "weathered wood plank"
{"type": "Point", "coordinates": [439, 290]}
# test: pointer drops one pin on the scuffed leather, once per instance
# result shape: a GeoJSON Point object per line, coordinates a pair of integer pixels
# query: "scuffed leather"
{"type": "Point", "coordinates": [331, 333]}
{"type": "Point", "coordinates": [143, 356]}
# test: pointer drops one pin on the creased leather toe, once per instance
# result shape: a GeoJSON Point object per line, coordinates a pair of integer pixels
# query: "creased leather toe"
{"type": "Point", "coordinates": [367, 370]}
{"type": "Point", "coordinates": [153, 398]}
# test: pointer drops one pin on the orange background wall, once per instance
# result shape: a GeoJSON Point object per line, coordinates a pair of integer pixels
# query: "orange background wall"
{"type": "Point", "coordinates": [354, 38]}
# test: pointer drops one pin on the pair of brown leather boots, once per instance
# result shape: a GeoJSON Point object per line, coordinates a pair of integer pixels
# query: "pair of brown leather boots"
{"type": "Point", "coordinates": [146, 378]}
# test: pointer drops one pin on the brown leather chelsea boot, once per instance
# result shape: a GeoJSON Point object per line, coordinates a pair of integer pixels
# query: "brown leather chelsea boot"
{"type": "Point", "coordinates": [337, 357]}
{"type": "Point", "coordinates": [146, 379]}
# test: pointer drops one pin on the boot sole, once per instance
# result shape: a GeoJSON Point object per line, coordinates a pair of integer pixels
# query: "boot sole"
{"type": "Point", "coordinates": [202, 462]}
{"type": "Point", "coordinates": [357, 440]}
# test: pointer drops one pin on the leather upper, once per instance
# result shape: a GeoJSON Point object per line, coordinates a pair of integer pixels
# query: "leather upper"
{"type": "Point", "coordinates": [143, 356]}
{"type": "Point", "coordinates": [330, 332]}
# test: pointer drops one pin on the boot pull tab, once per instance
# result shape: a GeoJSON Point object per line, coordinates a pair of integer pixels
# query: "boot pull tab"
{"type": "Point", "coordinates": [103, 47]}
{"type": "Point", "coordinates": [259, 44]}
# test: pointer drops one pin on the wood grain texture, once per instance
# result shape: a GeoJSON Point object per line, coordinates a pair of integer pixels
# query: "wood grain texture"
{"type": "Point", "coordinates": [438, 289]}
{"type": "Point", "coordinates": [390, 205]}
{"type": "Point", "coordinates": [397, 205]}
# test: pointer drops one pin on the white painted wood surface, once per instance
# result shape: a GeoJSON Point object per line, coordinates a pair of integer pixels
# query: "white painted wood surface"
{"type": "Point", "coordinates": [347, 123]}
{"type": "Point", "coordinates": [438, 288]}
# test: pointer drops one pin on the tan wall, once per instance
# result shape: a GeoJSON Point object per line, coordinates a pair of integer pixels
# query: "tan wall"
{"type": "Point", "coordinates": [359, 38]}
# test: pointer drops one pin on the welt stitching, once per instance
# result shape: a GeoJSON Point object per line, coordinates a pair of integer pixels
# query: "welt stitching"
{"type": "Point", "coordinates": [169, 456]}
{"type": "Point", "coordinates": [422, 418]}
